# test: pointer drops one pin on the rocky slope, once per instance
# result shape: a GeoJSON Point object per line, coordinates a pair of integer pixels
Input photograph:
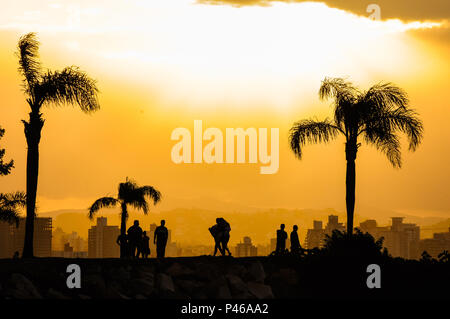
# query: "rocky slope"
{"type": "Point", "coordinates": [213, 277]}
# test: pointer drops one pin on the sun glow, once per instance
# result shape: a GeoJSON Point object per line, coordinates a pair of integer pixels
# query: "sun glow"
{"type": "Point", "coordinates": [205, 54]}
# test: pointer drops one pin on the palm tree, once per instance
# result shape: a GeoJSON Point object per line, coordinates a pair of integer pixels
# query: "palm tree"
{"type": "Point", "coordinates": [69, 86]}
{"type": "Point", "coordinates": [129, 194]}
{"type": "Point", "coordinates": [374, 116]}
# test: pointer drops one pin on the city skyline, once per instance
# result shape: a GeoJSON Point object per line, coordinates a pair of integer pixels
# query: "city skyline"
{"type": "Point", "coordinates": [401, 239]}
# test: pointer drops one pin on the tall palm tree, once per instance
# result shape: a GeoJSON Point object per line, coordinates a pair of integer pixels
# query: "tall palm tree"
{"type": "Point", "coordinates": [69, 86]}
{"type": "Point", "coordinates": [374, 116]}
{"type": "Point", "coordinates": [129, 194]}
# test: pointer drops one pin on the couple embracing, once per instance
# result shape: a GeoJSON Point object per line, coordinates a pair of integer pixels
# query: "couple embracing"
{"type": "Point", "coordinates": [221, 233]}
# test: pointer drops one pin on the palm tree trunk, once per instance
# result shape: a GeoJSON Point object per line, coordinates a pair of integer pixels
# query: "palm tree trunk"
{"type": "Point", "coordinates": [350, 152]}
{"type": "Point", "coordinates": [33, 136]}
{"type": "Point", "coordinates": [123, 227]}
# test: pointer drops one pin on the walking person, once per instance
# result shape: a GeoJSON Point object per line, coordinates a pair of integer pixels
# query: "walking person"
{"type": "Point", "coordinates": [160, 239]}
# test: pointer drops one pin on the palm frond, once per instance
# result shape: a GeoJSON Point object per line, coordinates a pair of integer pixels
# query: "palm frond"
{"type": "Point", "coordinates": [29, 65]}
{"type": "Point", "coordinates": [9, 206]}
{"type": "Point", "coordinates": [387, 143]}
{"type": "Point", "coordinates": [14, 200]}
{"type": "Point", "coordinates": [337, 88]}
{"type": "Point", "coordinates": [139, 202]}
{"type": "Point", "coordinates": [385, 96]}
{"type": "Point", "coordinates": [310, 131]}
{"type": "Point", "coordinates": [69, 86]}
{"type": "Point", "coordinates": [9, 215]}
{"type": "Point", "coordinates": [100, 203]}
{"type": "Point", "coordinates": [152, 192]}
{"type": "Point", "coordinates": [5, 168]}
{"type": "Point", "coordinates": [407, 121]}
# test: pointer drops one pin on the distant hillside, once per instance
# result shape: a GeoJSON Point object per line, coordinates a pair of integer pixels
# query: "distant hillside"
{"type": "Point", "coordinates": [440, 227]}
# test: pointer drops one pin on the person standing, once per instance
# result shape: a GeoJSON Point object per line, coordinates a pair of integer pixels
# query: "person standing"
{"type": "Point", "coordinates": [295, 242]}
{"type": "Point", "coordinates": [135, 239]}
{"type": "Point", "coordinates": [160, 239]}
{"type": "Point", "coordinates": [281, 240]}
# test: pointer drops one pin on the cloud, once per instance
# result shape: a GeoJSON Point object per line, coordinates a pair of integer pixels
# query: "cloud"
{"type": "Point", "coordinates": [406, 10]}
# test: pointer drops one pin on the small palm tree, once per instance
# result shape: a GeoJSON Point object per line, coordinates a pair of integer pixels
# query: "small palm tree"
{"type": "Point", "coordinates": [69, 86]}
{"type": "Point", "coordinates": [374, 116]}
{"type": "Point", "coordinates": [129, 194]}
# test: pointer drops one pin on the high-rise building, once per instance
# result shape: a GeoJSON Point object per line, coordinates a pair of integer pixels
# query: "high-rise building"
{"type": "Point", "coordinates": [12, 237]}
{"type": "Point", "coordinates": [315, 237]}
{"type": "Point", "coordinates": [102, 240]}
{"type": "Point", "coordinates": [400, 239]}
{"type": "Point", "coordinates": [60, 238]}
{"type": "Point", "coordinates": [334, 224]}
{"type": "Point", "coordinates": [246, 249]}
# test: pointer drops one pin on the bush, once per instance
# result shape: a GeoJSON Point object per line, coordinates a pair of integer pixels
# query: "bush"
{"type": "Point", "coordinates": [357, 245]}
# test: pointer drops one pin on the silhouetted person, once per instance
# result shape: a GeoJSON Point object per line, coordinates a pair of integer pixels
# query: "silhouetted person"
{"type": "Point", "coordinates": [296, 249]}
{"type": "Point", "coordinates": [135, 239]}
{"type": "Point", "coordinates": [122, 241]}
{"type": "Point", "coordinates": [214, 230]}
{"type": "Point", "coordinates": [224, 230]}
{"type": "Point", "coordinates": [281, 240]}
{"type": "Point", "coordinates": [160, 239]}
{"type": "Point", "coordinates": [16, 255]}
{"type": "Point", "coordinates": [145, 249]}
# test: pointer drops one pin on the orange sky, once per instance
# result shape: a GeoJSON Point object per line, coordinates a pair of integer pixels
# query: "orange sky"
{"type": "Point", "coordinates": [163, 64]}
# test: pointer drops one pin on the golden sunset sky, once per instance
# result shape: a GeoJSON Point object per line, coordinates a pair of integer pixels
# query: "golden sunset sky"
{"type": "Point", "coordinates": [160, 65]}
